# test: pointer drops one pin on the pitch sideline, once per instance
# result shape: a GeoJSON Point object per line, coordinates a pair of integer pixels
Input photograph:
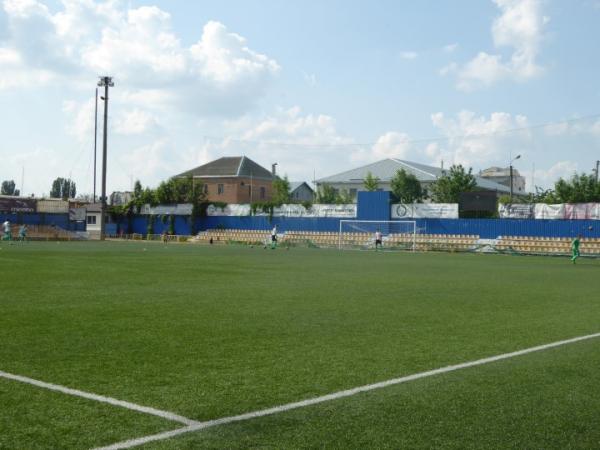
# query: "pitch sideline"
{"type": "Point", "coordinates": [337, 395]}
{"type": "Point", "coordinates": [99, 398]}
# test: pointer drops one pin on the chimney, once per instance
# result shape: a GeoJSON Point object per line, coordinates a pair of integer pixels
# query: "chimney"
{"type": "Point", "coordinates": [273, 169]}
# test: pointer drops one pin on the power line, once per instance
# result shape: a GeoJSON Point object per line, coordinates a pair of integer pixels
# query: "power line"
{"type": "Point", "coordinates": [408, 141]}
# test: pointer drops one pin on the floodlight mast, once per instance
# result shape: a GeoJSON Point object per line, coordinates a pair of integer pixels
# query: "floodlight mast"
{"type": "Point", "coordinates": [511, 176]}
{"type": "Point", "coordinates": [105, 82]}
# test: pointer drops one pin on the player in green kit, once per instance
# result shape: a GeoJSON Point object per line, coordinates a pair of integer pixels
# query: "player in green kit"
{"type": "Point", "coordinates": [575, 248]}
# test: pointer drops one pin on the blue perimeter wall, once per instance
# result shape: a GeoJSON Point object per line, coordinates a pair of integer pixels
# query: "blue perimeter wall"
{"type": "Point", "coordinates": [485, 228]}
{"type": "Point", "coordinates": [59, 220]}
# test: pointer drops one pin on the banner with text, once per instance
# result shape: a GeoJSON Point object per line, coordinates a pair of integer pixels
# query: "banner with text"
{"type": "Point", "coordinates": [292, 210]}
{"type": "Point", "coordinates": [17, 205]}
{"type": "Point", "coordinates": [425, 211]}
{"type": "Point", "coordinates": [568, 211]}
{"type": "Point", "coordinates": [516, 211]}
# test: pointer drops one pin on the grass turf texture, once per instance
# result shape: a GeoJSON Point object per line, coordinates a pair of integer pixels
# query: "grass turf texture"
{"type": "Point", "coordinates": [213, 331]}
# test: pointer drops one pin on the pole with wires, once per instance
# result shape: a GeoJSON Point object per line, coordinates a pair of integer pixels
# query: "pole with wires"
{"type": "Point", "coordinates": [105, 82]}
{"type": "Point", "coordinates": [95, 141]}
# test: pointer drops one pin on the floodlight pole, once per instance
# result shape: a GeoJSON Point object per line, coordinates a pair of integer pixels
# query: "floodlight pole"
{"type": "Point", "coordinates": [511, 176]}
{"type": "Point", "coordinates": [105, 82]}
{"type": "Point", "coordinates": [95, 142]}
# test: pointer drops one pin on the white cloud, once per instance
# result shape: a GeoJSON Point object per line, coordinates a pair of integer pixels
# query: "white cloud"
{"type": "Point", "coordinates": [448, 69]}
{"type": "Point", "coordinates": [408, 55]}
{"type": "Point", "coordinates": [81, 118]}
{"type": "Point", "coordinates": [450, 48]}
{"type": "Point", "coordinates": [298, 142]}
{"type": "Point", "coordinates": [477, 141]}
{"type": "Point", "coordinates": [152, 162]}
{"type": "Point", "coordinates": [519, 27]}
{"type": "Point", "coordinates": [219, 74]}
{"type": "Point", "coordinates": [546, 178]}
{"type": "Point", "coordinates": [135, 121]}
{"type": "Point", "coordinates": [310, 79]}
{"type": "Point", "coordinates": [573, 128]}
{"type": "Point", "coordinates": [389, 145]}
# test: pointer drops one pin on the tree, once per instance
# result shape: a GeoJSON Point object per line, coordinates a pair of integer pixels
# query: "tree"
{"type": "Point", "coordinates": [448, 187]}
{"type": "Point", "coordinates": [281, 190]}
{"type": "Point", "coordinates": [137, 189]}
{"type": "Point", "coordinates": [63, 188]}
{"type": "Point", "coordinates": [8, 188]}
{"type": "Point", "coordinates": [326, 194]}
{"type": "Point", "coordinates": [579, 189]}
{"type": "Point", "coordinates": [178, 190]}
{"type": "Point", "coordinates": [370, 182]}
{"type": "Point", "coordinates": [343, 197]}
{"type": "Point", "coordinates": [406, 187]}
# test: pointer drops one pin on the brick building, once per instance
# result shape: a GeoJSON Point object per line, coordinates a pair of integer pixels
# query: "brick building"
{"type": "Point", "coordinates": [234, 179]}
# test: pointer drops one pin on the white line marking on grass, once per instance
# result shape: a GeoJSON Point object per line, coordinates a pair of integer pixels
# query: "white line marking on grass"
{"type": "Point", "coordinates": [336, 395]}
{"type": "Point", "coordinates": [99, 398]}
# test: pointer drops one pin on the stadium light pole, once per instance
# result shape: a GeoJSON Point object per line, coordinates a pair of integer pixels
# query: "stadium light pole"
{"type": "Point", "coordinates": [105, 82]}
{"type": "Point", "coordinates": [95, 141]}
{"type": "Point", "coordinates": [511, 176]}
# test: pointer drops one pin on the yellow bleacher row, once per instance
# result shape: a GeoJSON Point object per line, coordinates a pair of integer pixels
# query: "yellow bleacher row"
{"type": "Point", "coordinates": [544, 245]}
{"type": "Point", "coordinates": [333, 239]}
{"type": "Point", "coordinates": [44, 233]}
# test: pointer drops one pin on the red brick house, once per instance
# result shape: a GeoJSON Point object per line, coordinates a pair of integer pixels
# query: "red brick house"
{"type": "Point", "coordinates": [234, 179]}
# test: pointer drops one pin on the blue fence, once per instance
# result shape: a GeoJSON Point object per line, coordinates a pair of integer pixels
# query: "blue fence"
{"type": "Point", "coordinates": [373, 205]}
{"type": "Point", "coordinates": [58, 220]}
{"type": "Point", "coordinates": [492, 228]}
{"type": "Point", "coordinates": [485, 228]}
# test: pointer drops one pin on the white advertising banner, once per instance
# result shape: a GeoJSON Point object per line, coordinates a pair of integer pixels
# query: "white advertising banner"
{"type": "Point", "coordinates": [229, 210]}
{"type": "Point", "coordinates": [582, 211]}
{"type": "Point", "coordinates": [516, 211]}
{"type": "Point", "coordinates": [181, 209]}
{"type": "Point", "coordinates": [292, 210]}
{"type": "Point", "coordinates": [553, 212]}
{"type": "Point", "coordinates": [425, 211]}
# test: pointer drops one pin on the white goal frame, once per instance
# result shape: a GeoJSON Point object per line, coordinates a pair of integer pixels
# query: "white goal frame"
{"type": "Point", "coordinates": [383, 223]}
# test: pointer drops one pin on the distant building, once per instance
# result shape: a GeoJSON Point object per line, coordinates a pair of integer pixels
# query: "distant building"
{"type": "Point", "coordinates": [233, 180]}
{"type": "Point", "coordinates": [300, 191]}
{"type": "Point", "coordinates": [351, 181]}
{"type": "Point", "coordinates": [120, 198]}
{"type": "Point", "coordinates": [501, 175]}
{"type": "Point", "coordinates": [92, 219]}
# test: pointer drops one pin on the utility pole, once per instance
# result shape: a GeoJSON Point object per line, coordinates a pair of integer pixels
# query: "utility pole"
{"type": "Point", "coordinates": [597, 167]}
{"type": "Point", "coordinates": [511, 176]}
{"type": "Point", "coordinates": [95, 141]}
{"type": "Point", "coordinates": [105, 82]}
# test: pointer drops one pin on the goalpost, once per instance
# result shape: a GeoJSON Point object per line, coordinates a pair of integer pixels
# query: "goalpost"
{"type": "Point", "coordinates": [360, 234]}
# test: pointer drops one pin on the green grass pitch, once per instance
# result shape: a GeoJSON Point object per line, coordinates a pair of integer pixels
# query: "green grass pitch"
{"type": "Point", "coordinates": [208, 332]}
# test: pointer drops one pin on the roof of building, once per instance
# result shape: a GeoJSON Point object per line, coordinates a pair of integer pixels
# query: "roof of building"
{"type": "Point", "coordinates": [94, 207]}
{"type": "Point", "coordinates": [229, 166]}
{"type": "Point", "coordinates": [498, 172]}
{"type": "Point", "coordinates": [387, 168]}
{"type": "Point", "coordinates": [296, 184]}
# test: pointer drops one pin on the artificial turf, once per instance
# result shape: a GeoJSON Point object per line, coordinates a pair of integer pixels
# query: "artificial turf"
{"type": "Point", "coordinates": [208, 332]}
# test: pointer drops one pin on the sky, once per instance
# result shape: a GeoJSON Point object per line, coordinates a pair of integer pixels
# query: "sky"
{"type": "Point", "coordinates": [317, 87]}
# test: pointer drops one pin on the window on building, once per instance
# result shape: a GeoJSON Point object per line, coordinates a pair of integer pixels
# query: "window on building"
{"type": "Point", "coordinates": [205, 188]}
{"type": "Point", "coordinates": [353, 193]}
{"type": "Point", "coordinates": [263, 192]}
{"type": "Point", "coordinates": [220, 189]}
{"type": "Point", "coordinates": [91, 220]}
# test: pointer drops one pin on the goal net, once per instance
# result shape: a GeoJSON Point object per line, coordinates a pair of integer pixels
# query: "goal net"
{"type": "Point", "coordinates": [361, 234]}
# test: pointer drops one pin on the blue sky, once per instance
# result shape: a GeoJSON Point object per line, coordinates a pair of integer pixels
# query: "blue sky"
{"type": "Point", "coordinates": [316, 86]}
